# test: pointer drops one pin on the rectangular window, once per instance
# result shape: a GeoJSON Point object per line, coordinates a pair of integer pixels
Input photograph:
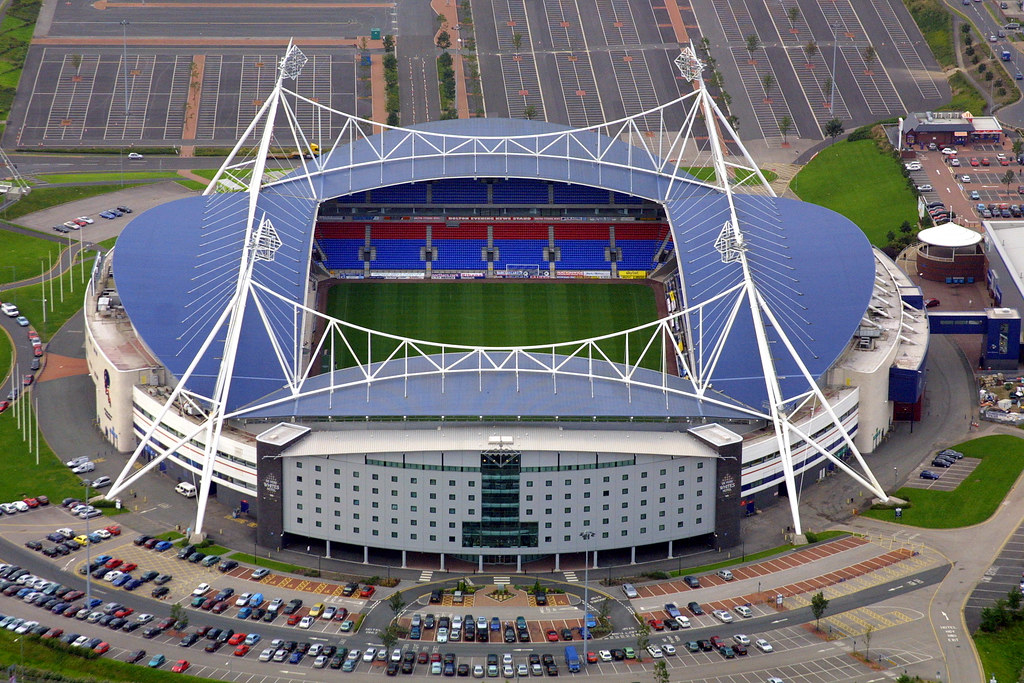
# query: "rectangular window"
{"type": "Point", "coordinates": [412, 537]}
{"type": "Point", "coordinates": [568, 482]}
{"type": "Point", "coordinates": [298, 506]}
{"type": "Point", "coordinates": [412, 480]}
{"type": "Point", "coordinates": [394, 478]}
{"type": "Point", "coordinates": [298, 520]}
{"type": "Point", "coordinates": [298, 464]}
{"type": "Point", "coordinates": [317, 496]}
{"type": "Point", "coordinates": [319, 524]}
{"type": "Point", "coordinates": [338, 471]}
{"type": "Point", "coordinates": [375, 476]}
{"type": "Point", "coordinates": [700, 506]}
{"type": "Point", "coordinates": [700, 466]}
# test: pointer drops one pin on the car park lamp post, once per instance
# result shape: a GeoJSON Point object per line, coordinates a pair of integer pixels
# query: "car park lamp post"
{"type": "Point", "coordinates": [832, 90]}
{"type": "Point", "coordinates": [586, 536]}
{"type": "Point", "coordinates": [124, 37]}
{"type": "Point", "coordinates": [88, 561]}
{"type": "Point", "coordinates": [895, 476]}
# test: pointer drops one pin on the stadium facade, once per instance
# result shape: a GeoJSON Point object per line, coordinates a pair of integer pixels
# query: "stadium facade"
{"type": "Point", "coordinates": [214, 360]}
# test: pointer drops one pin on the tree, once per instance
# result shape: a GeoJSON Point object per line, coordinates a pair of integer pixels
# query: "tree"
{"type": "Point", "coordinates": [1008, 178]}
{"type": "Point", "coordinates": [819, 603]}
{"type": "Point", "coordinates": [604, 609]}
{"type": "Point", "coordinates": [768, 81]}
{"type": "Point", "coordinates": [867, 641]}
{"type": "Point", "coordinates": [179, 614]}
{"type": "Point", "coordinates": [834, 129]}
{"type": "Point", "coordinates": [444, 40]}
{"type": "Point", "coordinates": [529, 111]}
{"type": "Point", "coordinates": [643, 638]}
{"type": "Point", "coordinates": [389, 43]}
{"type": "Point", "coordinates": [793, 12]}
{"type": "Point", "coordinates": [753, 42]}
{"type": "Point", "coordinates": [76, 61]}
{"type": "Point", "coordinates": [890, 237]}
{"type": "Point", "coordinates": [810, 48]}
{"type": "Point", "coordinates": [396, 602]}
{"type": "Point", "coordinates": [363, 43]}
{"type": "Point", "coordinates": [785, 125]}
{"type": "Point", "coordinates": [869, 55]}
{"type": "Point", "coordinates": [828, 88]}
{"type": "Point", "coordinates": [906, 228]}
{"type": "Point", "coordinates": [389, 637]}
{"type": "Point", "coordinates": [392, 118]}
{"type": "Point", "coordinates": [517, 40]}
{"type": "Point", "coordinates": [660, 671]}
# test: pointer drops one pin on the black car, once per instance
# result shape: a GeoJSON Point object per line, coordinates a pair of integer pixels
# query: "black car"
{"type": "Point", "coordinates": [227, 593]}
{"type": "Point", "coordinates": [162, 579]}
{"type": "Point", "coordinates": [257, 614]}
{"type": "Point", "coordinates": [160, 591]}
{"type": "Point", "coordinates": [227, 565]}
{"type": "Point", "coordinates": [134, 656]}
{"type": "Point", "coordinates": [213, 646]}
{"type": "Point", "coordinates": [694, 608]}
{"type": "Point", "coordinates": [186, 551]}
{"type": "Point", "coordinates": [212, 634]}
{"type": "Point", "coordinates": [131, 627]}
{"type": "Point", "coordinates": [293, 606]}
{"type": "Point", "coordinates": [429, 621]}
{"type": "Point", "coordinates": [928, 474]}
{"type": "Point", "coordinates": [336, 662]}
{"type": "Point", "coordinates": [942, 462]}
{"type": "Point", "coordinates": [139, 540]}
{"type": "Point", "coordinates": [510, 635]}
{"type": "Point", "coordinates": [541, 598]}
{"type": "Point", "coordinates": [189, 640]}
{"type": "Point", "coordinates": [151, 632]}
{"type": "Point", "coordinates": [705, 645]}
{"type": "Point", "coordinates": [124, 209]}
{"type": "Point", "coordinates": [350, 588]}
{"type": "Point", "coordinates": [691, 581]}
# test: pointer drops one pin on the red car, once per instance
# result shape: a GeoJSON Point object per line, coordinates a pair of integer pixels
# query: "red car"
{"type": "Point", "coordinates": [931, 303]}
{"type": "Point", "coordinates": [974, 161]}
{"type": "Point", "coordinates": [114, 529]}
{"type": "Point", "coordinates": [4, 405]}
{"type": "Point", "coordinates": [54, 633]}
{"type": "Point", "coordinates": [43, 500]}
{"type": "Point", "coordinates": [1004, 162]}
{"type": "Point", "coordinates": [342, 614]}
{"type": "Point", "coordinates": [32, 334]}
{"type": "Point", "coordinates": [114, 563]}
{"type": "Point", "coordinates": [367, 591]}
{"type": "Point", "coordinates": [237, 639]}
{"type": "Point", "coordinates": [72, 596]}
{"type": "Point", "coordinates": [124, 612]}
{"type": "Point", "coordinates": [101, 648]}
{"type": "Point", "coordinates": [208, 604]}
{"type": "Point", "coordinates": [241, 650]}
{"type": "Point", "coordinates": [591, 658]}
{"type": "Point", "coordinates": [423, 657]}
{"type": "Point", "coordinates": [129, 567]}
{"type": "Point", "coordinates": [221, 607]}
{"type": "Point", "coordinates": [294, 619]}
{"type": "Point", "coordinates": [656, 624]}
{"type": "Point", "coordinates": [28, 379]}
{"type": "Point", "coordinates": [31, 502]}
{"type": "Point", "coordinates": [181, 666]}
{"type": "Point", "coordinates": [985, 162]}
{"type": "Point", "coordinates": [552, 636]}
{"type": "Point", "coordinates": [37, 351]}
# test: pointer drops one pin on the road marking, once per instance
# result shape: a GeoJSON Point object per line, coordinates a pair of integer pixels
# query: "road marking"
{"type": "Point", "coordinates": [426, 575]}
{"type": "Point", "coordinates": [946, 616]}
{"type": "Point", "coordinates": [502, 580]}
{"type": "Point", "coordinates": [779, 621]}
{"type": "Point", "coordinates": [571, 577]}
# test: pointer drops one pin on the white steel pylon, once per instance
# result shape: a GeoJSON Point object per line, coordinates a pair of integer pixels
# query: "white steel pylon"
{"type": "Point", "coordinates": [731, 244]}
{"type": "Point", "coordinates": [260, 243]}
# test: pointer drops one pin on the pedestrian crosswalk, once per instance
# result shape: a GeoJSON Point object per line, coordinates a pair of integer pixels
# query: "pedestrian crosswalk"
{"type": "Point", "coordinates": [502, 580]}
{"type": "Point", "coordinates": [571, 577]}
{"type": "Point", "coordinates": [426, 575]}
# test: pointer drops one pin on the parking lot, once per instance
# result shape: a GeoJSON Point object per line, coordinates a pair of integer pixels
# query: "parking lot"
{"type": "Point", "coordinates": [949, 477]}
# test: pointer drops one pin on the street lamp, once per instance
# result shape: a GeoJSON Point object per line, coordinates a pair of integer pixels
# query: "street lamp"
{"type": "Point", "coordinates": [832, 90]}
{"type": "Point", "coordinates": [124, 35]}
{"type": "Point", "coordinates": [586, 536]}
{"type": "Point", "coordinates": [88, 561]}
{"type": "Point", "coordinates": [895, 476]}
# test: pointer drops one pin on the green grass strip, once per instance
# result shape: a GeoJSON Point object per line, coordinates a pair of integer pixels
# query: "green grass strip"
{"type": "Point", "coordinates": [282, 567]}
{"type": "Point", "coordinates": [106, 176]}
{"type": "Point", "coordinates": [23, 255]}
{"type": "Point", "coordinates": [976, 498]}
{"type": "Point", "coordinates": [760, 555]}
{"type": "Point", "coordinates": [29, 299]}
{"type": "Point", "coordinates": [192, 184]}
{"type": "Point", "coordinates": [876, 195]}
{"type": "Point", "coordinates": [1002, 653]}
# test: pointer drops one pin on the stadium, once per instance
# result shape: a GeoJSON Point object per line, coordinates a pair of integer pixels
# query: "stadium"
{"type": "Point", "coordinates": [499, 341]}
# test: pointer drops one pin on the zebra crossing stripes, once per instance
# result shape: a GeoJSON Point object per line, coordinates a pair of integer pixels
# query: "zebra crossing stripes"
{"type": "Point", "coordinates": [571, 577]}
{"type": "Point", "coordinates": [425, 576]}
{"type": "Point", "coordinates": [502, 580]}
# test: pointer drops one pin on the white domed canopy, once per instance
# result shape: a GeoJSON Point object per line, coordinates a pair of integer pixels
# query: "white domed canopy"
{"type": "Point", "coordinates": [949, 235]}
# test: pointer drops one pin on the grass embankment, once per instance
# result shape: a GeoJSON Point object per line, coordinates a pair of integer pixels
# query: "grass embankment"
{"type": "Point", "coordinates": [743, 176]}
{"type": "Point", "coordinates": [29, 299]}
{"type": "Point", "coordinates": [23, 255]}
{"type": "Point", "coordinates": [1002, 653]}
{"type": "Point", "coordinates": [976, 498]}
{"type": "Point", "coordinates": [751, 557]}
{"type": "Point", "coordinates": [282, 567]}
{"type": "Point", "coordinates": [46, 197]}
{"type": "Point", "coordinates": [15, 35]}
{"type": "Point", "coordinates": [513, 314]}
{"type": "Point", "coordinates": [936, 24]}
{"type": "Point", "coordinates": [875, 195]}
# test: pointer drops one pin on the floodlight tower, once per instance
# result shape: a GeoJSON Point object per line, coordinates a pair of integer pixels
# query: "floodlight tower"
{"type": "Point", "coordinates": [732, 247]}
{"type": "Point", "coordinates": [260, 243]}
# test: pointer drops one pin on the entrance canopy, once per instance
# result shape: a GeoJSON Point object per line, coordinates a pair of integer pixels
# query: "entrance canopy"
{"type": "Point", "coordinates": [949, 235]}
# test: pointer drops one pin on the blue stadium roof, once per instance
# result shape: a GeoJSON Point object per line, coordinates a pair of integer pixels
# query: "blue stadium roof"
{"type": "Point", "coordinates": [174, 264]}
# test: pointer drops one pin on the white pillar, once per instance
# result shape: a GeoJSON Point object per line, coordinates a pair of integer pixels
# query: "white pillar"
{"type": "Point", "coordinates": [480, 564]}
{"type": "Point", "coordinates": [519, 564]}
{"type": "Point", "coordinates": [442, 562]}
{"type": "Point", "coordinates": [557, 567]}
{"type": "Point", "coordinates": [632, 555]}
{"type": "Point", "coordinates": [366, 554]}
{"type": "Point", "coordinates": [403, 559]}
{"type": "Point", "coordinates": [594, 565]}
{"type": "Point", "coordinates": [670, 550]}
{"type": "Point", "coordinates": [328, 553]}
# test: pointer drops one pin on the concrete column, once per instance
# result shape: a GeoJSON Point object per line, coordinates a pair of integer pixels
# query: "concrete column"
{"type": "Point", "coordinates": [519, 564]}
{"type": "Point", "coordinates": [557, 567]}
{"type": "Point", "coordinates": [403, 559]}
{"type": "Point", "coordinates": [327, 553]}
{"type": "Point", "coordinates": [442, 562]}
{"type": "Point", "coordinates": [670, 550]}
{"type": "Point", "coordinates": [366, 554]}
{"type": "Point", "coordinates": [632, 555]}
{"type": "Point", "coordinates": [480, 564]}
{"type": "Point", "coordinates": [594, 566]}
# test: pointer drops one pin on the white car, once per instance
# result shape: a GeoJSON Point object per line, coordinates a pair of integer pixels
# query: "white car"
{"type": "Point", "coordinates": [87, 466]}
{"type": "Point", "coordinates": [369, 654]}
{"type": "Point", "coordinates": [82, 640]}
{"type": "Point", "coordinates": [267, 654]}
{"type": "Point", "coordinates": [134, 155]}
{"type": "Point", "coordinates": [954, 162]}
{"type": "Point", "coordinates": [507, 671]}
{"type": "Point", "coordinates": [21, 505]}
{"type": "Point", "coordinates": [102, 533]}
{"type": "Point", "coordinates": [668, 649]}
{"type": "Point", "coordinates": [655, 651]}
{"type": "Point", "coordinates": [604, 655]}
{"type": "Point", "coordinates": [949, 151]}
{"type": "Point", "coordinates": [242, 599]}
{"type": "Point", "coordinates": [201, 589]}
{"type": "Point", "coordinates": [913, 166]}
{"type": "Point", "coordinates": [113, 575]}
{"type": "Point", "coordinates": [523, 671]}
{"type": "Point", "coordinates": [85, 219]}
{"type": "Point", "coordinates": [8, 508]}
{"type": "Point", "coordinates": [396, 655]}
{"type": "Point", "coordinates": [722, 616]}
{"type": "Point", "coordinates": [77, 461]}
{"type": "Point", "coordinates": [684, 622]}
{"type": "Point", "coordinates": [26, 627]}
{"type": "Point", "coordinates": [965, 179]}
{"type": "Point", "coordinates": [306, 621]}
{"type": "Point", "coordinates": [741, 639]}
{"type": "Point", "coordinates": [442, 635]}
{"type": "Point", "coordinates": [478, 671]}
{"type": "Point", "coordinates": [774, 679]}
{"type": "Point", "coordinates": [763, 645]}
{"type": "Point", "coordinates": [925, 188]}
{"type": "Point", "coordinates": [435, 668]}
{"type": "Point", "coordinates": [315, 650]}
{"type": "Point", "coordinates": [456, 622]}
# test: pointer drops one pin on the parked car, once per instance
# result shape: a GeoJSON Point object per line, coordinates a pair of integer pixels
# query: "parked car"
{"type": "Point", "coordinates": [928, 474]}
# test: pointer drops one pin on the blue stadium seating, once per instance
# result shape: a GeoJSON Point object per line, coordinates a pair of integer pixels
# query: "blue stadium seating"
{"type": "Point", "coordinates": [398, 254]}
{"type": "Point", "coordinates": [410, 193]}
{"type": "Point", "coordinates": [459, 191]}
{"type": "Point", "coordinates": [579, 194]}
{"type": "Point", "coordinates": [638, 254]}
{"type": "Point", "coordinates": [459, 254]}
{"type": "Point", "coordinates": [521, 251]}
{"type": "Point", "coordinates": [341, 254]}
{"type": "Point", "coordinates": [520, 191]}
{"type": "Point", "coordinates": [357, 198]}
{"type": "Point", "coordinates": [582, 254]}
{"type": "Point", "coordinates": [619, 198]}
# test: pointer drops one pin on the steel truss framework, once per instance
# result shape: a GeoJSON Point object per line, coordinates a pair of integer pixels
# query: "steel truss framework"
{"type": "Point", "coordinates": [654, 166]}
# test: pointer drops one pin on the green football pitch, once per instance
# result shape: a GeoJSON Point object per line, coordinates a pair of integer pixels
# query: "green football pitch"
{"type": "Point", "coordinates": [508, 313]}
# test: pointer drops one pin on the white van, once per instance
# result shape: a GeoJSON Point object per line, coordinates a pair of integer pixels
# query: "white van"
{"type": "Point", "coordinates": [186, 489]}
{"type": "Point", "coordinates": [10, 310]}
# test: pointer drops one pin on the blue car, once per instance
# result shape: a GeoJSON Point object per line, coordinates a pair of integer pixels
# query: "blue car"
{"type": "Point", "coordinates": [22, 592]}
{"type": "Point", "coordinates": [928, 474]}
{"type": "Point", "coordinates": [95, 538]}
{"type": "Point", "coordinates": [133, 584]}
{"type": "Point", "coordinates": [94, 602]}
{"type": "Point", "coordinates": [157, 660]}
{"type": "Point", "coordinates": [163, 545]}
{"type": "Point", "coordinates": [244, 613]}
{"type": "Point", "coordinates": [106, 214]}
{"type": "Point", "coordinates": [252, 639]}
{"type": "Point", "coordinates": [295, 658]}
{"type": "Point", "coordinates": [122, 580]}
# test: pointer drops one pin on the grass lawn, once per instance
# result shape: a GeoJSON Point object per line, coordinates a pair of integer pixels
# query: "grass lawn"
{"type": "Point", "coordinates": [30, 299]}
{"type": "Point", "coordinates": [750, 557]}
{"type": "Point", "coordinates": [45, 197]}
{"type": "Point", "coordinates": [104, 177]}
{"type": "Point", "coordinates": [976, 498]}
{"type": "Point", "coordinates": [706, 173]}
{"type": "Point", "coordinates": [511, 313]}
{"type": "Point", "coordinates": [6, 356]}
{"type": "Point", "coordinates": [965, 96]}
{"type": "Point", "coordinates": [875, 196]}
{"type": "Point", "coordinates": [282, 567]}
{"type": "Point", "coordinates": [1002, 653]}
{"type": "Point", "coordinates": [936, 24]}
{"type": "Point", "coordinates": [24, 253]}
{"type": "Point", "coordinates": [192, 184]}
